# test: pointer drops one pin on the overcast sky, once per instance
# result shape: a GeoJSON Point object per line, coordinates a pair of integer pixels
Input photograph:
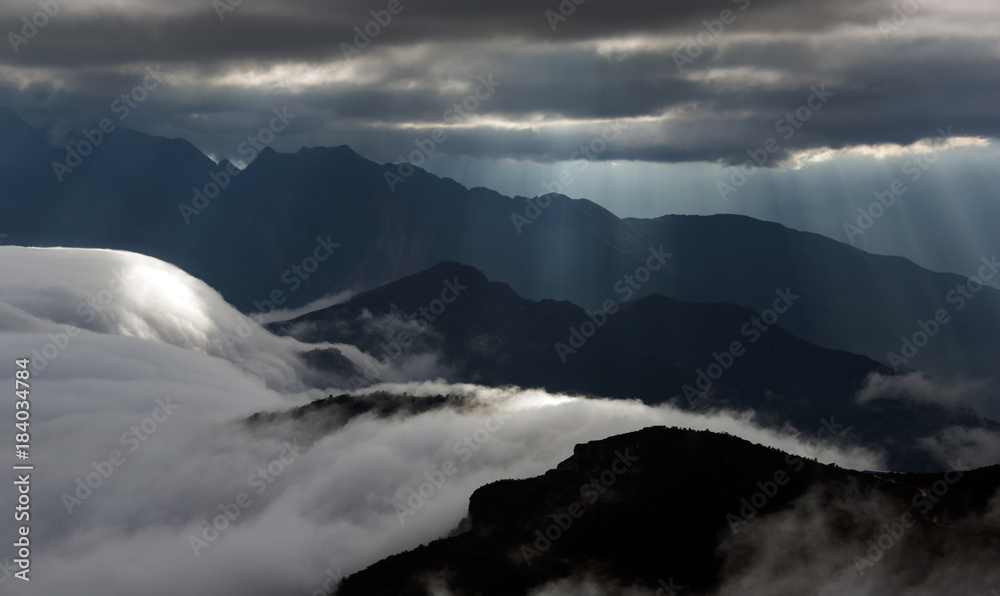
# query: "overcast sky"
{"type": "Point", "coordinates": [560, 80]}
{"type": "Point", "coordinates": [690, 87]}
{"type": "Point", "coordinates": [848, 92]}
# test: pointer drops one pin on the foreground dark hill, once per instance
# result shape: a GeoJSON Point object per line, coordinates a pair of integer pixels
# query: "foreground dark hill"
{"type": "Point", "coordinates": [657, 349]}
{"type": "Point", "coordinates": [675, 508]}
{"type": "Point", "coordinates": [271, 218]}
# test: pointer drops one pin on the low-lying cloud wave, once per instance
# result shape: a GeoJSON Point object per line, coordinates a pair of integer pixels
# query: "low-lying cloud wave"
{"type": "Point", "coordinates": [149, 479]}
{"type": "Point", "coordinates": [64, 293]}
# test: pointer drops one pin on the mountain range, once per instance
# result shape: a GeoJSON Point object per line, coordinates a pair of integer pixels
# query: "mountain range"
{"type": "Point", "coordinates": [423, 279]}
{"type": "Point", "coordinates": [255, 230]}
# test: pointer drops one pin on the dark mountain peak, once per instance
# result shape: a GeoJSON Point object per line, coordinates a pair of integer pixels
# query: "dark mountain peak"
{"type": "Point", "coordinates": [702, 447]}
{"type": "Point", "coordinates": [444, 269]}
{"type": "Point", "coordinates": [655, 301]}
{"type": "Point", "coordinates": [420, 180]}
{"type": "Point", "coordinates": [340, 152]}
{"type": "Point", "coordinates": [655, 348]}
{"type": "Point", "coordinates": [628, 503]}
{"type": "Point", "coordinates": [310, 161]}
{"type": "Point", "coordinates": [135, 136]}
{"type": "Point", "coordinates": [411, 292]}
{"type": "Point", "coordinates": [435, 276]}
{"type": "Point", "coordinates": [558, 200]}
{"type": "Point", "coordinates": [651, 455]}
{"type": "Point", "coordinates": [267, 156]}
{"type": "Point", "coordinates": [131, 146]}
{"type": "Point", "coordinates": [594, 209]}
{"type": "Point", "coordinates": [482, 190]}
{"type": "Point", "coordinates": [309, 154]}
{"type": "Point", "coordinates": [553, 196]}
{"type": "Point", "coordinates": [733, 217]}
{"type": "Point", "coordinates": [571, 250]}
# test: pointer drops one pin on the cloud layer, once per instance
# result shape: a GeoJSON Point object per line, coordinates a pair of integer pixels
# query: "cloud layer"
{"type": "Point", "coordinates": [149, 385]}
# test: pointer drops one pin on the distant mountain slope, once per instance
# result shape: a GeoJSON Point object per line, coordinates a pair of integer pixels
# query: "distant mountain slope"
{"type": "Point", "coordinates": [670, 507]}
{"type": "Point", "coordinates": [654, 348]}
{"type": "Point", "coordinates": [272, 217]}
{"type": "Point", "coordinates": [122, 194]}
{"type": "Point", "coordinates": [851, 300]}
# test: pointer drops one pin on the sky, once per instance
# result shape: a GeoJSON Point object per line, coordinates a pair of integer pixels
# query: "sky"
{"type": "Point", "coordinates": [645, 107]}
{"type": "Point", "coordinates": [690, 87]}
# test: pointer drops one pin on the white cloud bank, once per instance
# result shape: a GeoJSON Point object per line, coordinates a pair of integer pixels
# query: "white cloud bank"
{"type": "Point", "coordinates": [328, 504]}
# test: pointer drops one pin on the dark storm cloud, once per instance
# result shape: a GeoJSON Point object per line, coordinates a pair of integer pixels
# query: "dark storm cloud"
{"type": "Point", "coordinates": [606, 61]}
{"type": "Point", "coordinates": [305, 29]}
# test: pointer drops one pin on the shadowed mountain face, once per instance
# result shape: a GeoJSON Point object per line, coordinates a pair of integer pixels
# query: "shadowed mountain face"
{"type": "Point", "coordinates": [657, 349]}
{"type": "Point", "coordinates": [707, 513]}
{"type": "Point", "coordinates": [123, 194]}
{"type": "Point", "coordinates": [256, 239]}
